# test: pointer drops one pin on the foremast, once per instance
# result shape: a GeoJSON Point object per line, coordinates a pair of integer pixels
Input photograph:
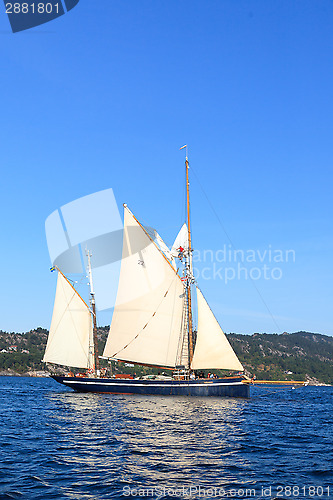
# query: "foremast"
{"type": "Point", "coordinates": [93, 343]}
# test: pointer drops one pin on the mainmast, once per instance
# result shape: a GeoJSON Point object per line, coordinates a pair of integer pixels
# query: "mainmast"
{"type": "Point", "coordinates": [93, 307]}
{"type": "Point", "coordinates": [188, 270]}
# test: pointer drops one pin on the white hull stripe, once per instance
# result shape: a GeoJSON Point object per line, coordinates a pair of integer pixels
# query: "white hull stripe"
{"type": "Point", "coordinates": [149, 385]}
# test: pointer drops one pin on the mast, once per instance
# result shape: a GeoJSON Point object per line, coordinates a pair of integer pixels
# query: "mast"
{"type": "Point", "coordinates": [189, 266]}
{"type": "Point", "coordinates": [93, 307]}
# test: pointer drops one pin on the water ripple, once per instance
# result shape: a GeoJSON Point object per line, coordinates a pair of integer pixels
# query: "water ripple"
{"type": "Point", "coordinates": [59, 444]}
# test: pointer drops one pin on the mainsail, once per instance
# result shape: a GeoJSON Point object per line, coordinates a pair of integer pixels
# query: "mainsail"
{"type": "Point", "coordinates": [147, 318]}
{"type": "Point", "coordinates": [212, 349]}
{"type": "Point", "coordinates": [71, 328]}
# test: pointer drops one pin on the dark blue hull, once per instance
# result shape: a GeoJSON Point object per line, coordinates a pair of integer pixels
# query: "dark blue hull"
{"type": "Point", "coordinates": [232, 387]}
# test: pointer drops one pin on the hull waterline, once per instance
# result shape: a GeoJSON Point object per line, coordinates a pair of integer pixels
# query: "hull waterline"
{"type": "Point", "coordinates": [234, 387]}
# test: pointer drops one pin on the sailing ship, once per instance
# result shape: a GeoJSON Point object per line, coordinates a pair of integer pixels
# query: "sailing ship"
{"type": "Point", "coordinates": [152, 324]}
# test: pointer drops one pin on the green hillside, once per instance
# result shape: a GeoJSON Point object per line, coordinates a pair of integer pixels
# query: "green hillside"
{"type": "Point", "coordinates": [295, 356]}
{"type": "Point", "coordinates": [272, 356]}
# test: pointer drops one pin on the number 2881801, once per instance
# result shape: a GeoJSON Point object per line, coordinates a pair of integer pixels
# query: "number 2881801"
{"type": "Point", "coordinates": [32, 8]}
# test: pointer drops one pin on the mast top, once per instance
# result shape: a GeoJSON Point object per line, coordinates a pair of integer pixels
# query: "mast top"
{"type": "Point", "coordinates": [92, 293]}
{"type": "Point", "coordinates": [185, 146]}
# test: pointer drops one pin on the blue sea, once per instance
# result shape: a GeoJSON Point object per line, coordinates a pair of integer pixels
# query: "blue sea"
{"type": "Point", "coordinates": [57, 444]}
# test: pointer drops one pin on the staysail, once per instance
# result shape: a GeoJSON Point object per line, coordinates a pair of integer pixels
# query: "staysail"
{"type": "Point", "coordinates": [180, 241]}
{"type": "Point", "coordinates": [147, 317]}
{"type": "Point", "coordinates": [71, 328]}
{"type": "Point", "coordinates": [212, 348]}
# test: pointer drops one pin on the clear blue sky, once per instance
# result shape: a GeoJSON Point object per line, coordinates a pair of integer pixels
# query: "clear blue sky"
{"type": "Point", "coordinates": [105, 95]}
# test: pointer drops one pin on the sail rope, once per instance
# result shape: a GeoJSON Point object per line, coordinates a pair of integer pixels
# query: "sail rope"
{"type": "Point", "coordinates": [234, 248]}
{"type": "Point", "coordinates": [180, 348]}
{"type": "Point", "coordinates": [145, 326]}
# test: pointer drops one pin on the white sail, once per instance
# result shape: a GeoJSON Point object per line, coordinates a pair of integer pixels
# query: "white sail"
{"type": "Point", "coordinates": [71, 328]}
{"type": "Point", "coordinates": [212, 349]}
{"type": "Point", "coordinates": [147, 318]}
{"type": "Point", "coordinates": [180, 241]}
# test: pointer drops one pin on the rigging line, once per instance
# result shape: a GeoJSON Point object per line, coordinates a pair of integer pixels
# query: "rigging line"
{"type": "Point", "coordinates": [173, 315]}
{"type": "Point", "coordinates": [181, 337]}
{"type": "Point", "coordinates": [143, 328]}
{"type": "Point", "coordinates": [233, 246]}
{"type": "Point", "coordinates": [68, 281]}
{"type": "Point", "coordinates": [78, 283]}
{"type": "Point", "coordinates": [183, 210]}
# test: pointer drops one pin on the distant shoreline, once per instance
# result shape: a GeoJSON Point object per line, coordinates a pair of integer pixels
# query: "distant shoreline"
{"type": "Point", "coordinates": [36, 374]}
{"type": "Point", "coordinates": [300, 356]}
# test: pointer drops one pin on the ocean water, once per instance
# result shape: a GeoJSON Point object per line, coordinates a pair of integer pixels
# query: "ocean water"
{"type": "Point", "coordinates": [59, 444]}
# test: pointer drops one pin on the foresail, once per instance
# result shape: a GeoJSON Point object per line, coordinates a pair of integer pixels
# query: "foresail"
{"type": "Point", "coordinates": [71, 327]}
{"type": "Point", "coordinates": [147, 318]}
{"type": "Point", "coordinates": [212, 349]}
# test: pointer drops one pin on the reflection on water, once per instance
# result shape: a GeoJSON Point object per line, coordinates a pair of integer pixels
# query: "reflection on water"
{"type": "Point", "coordinates": [150, 439]}
{"type": "Point", "coordinates": [55, 443]}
